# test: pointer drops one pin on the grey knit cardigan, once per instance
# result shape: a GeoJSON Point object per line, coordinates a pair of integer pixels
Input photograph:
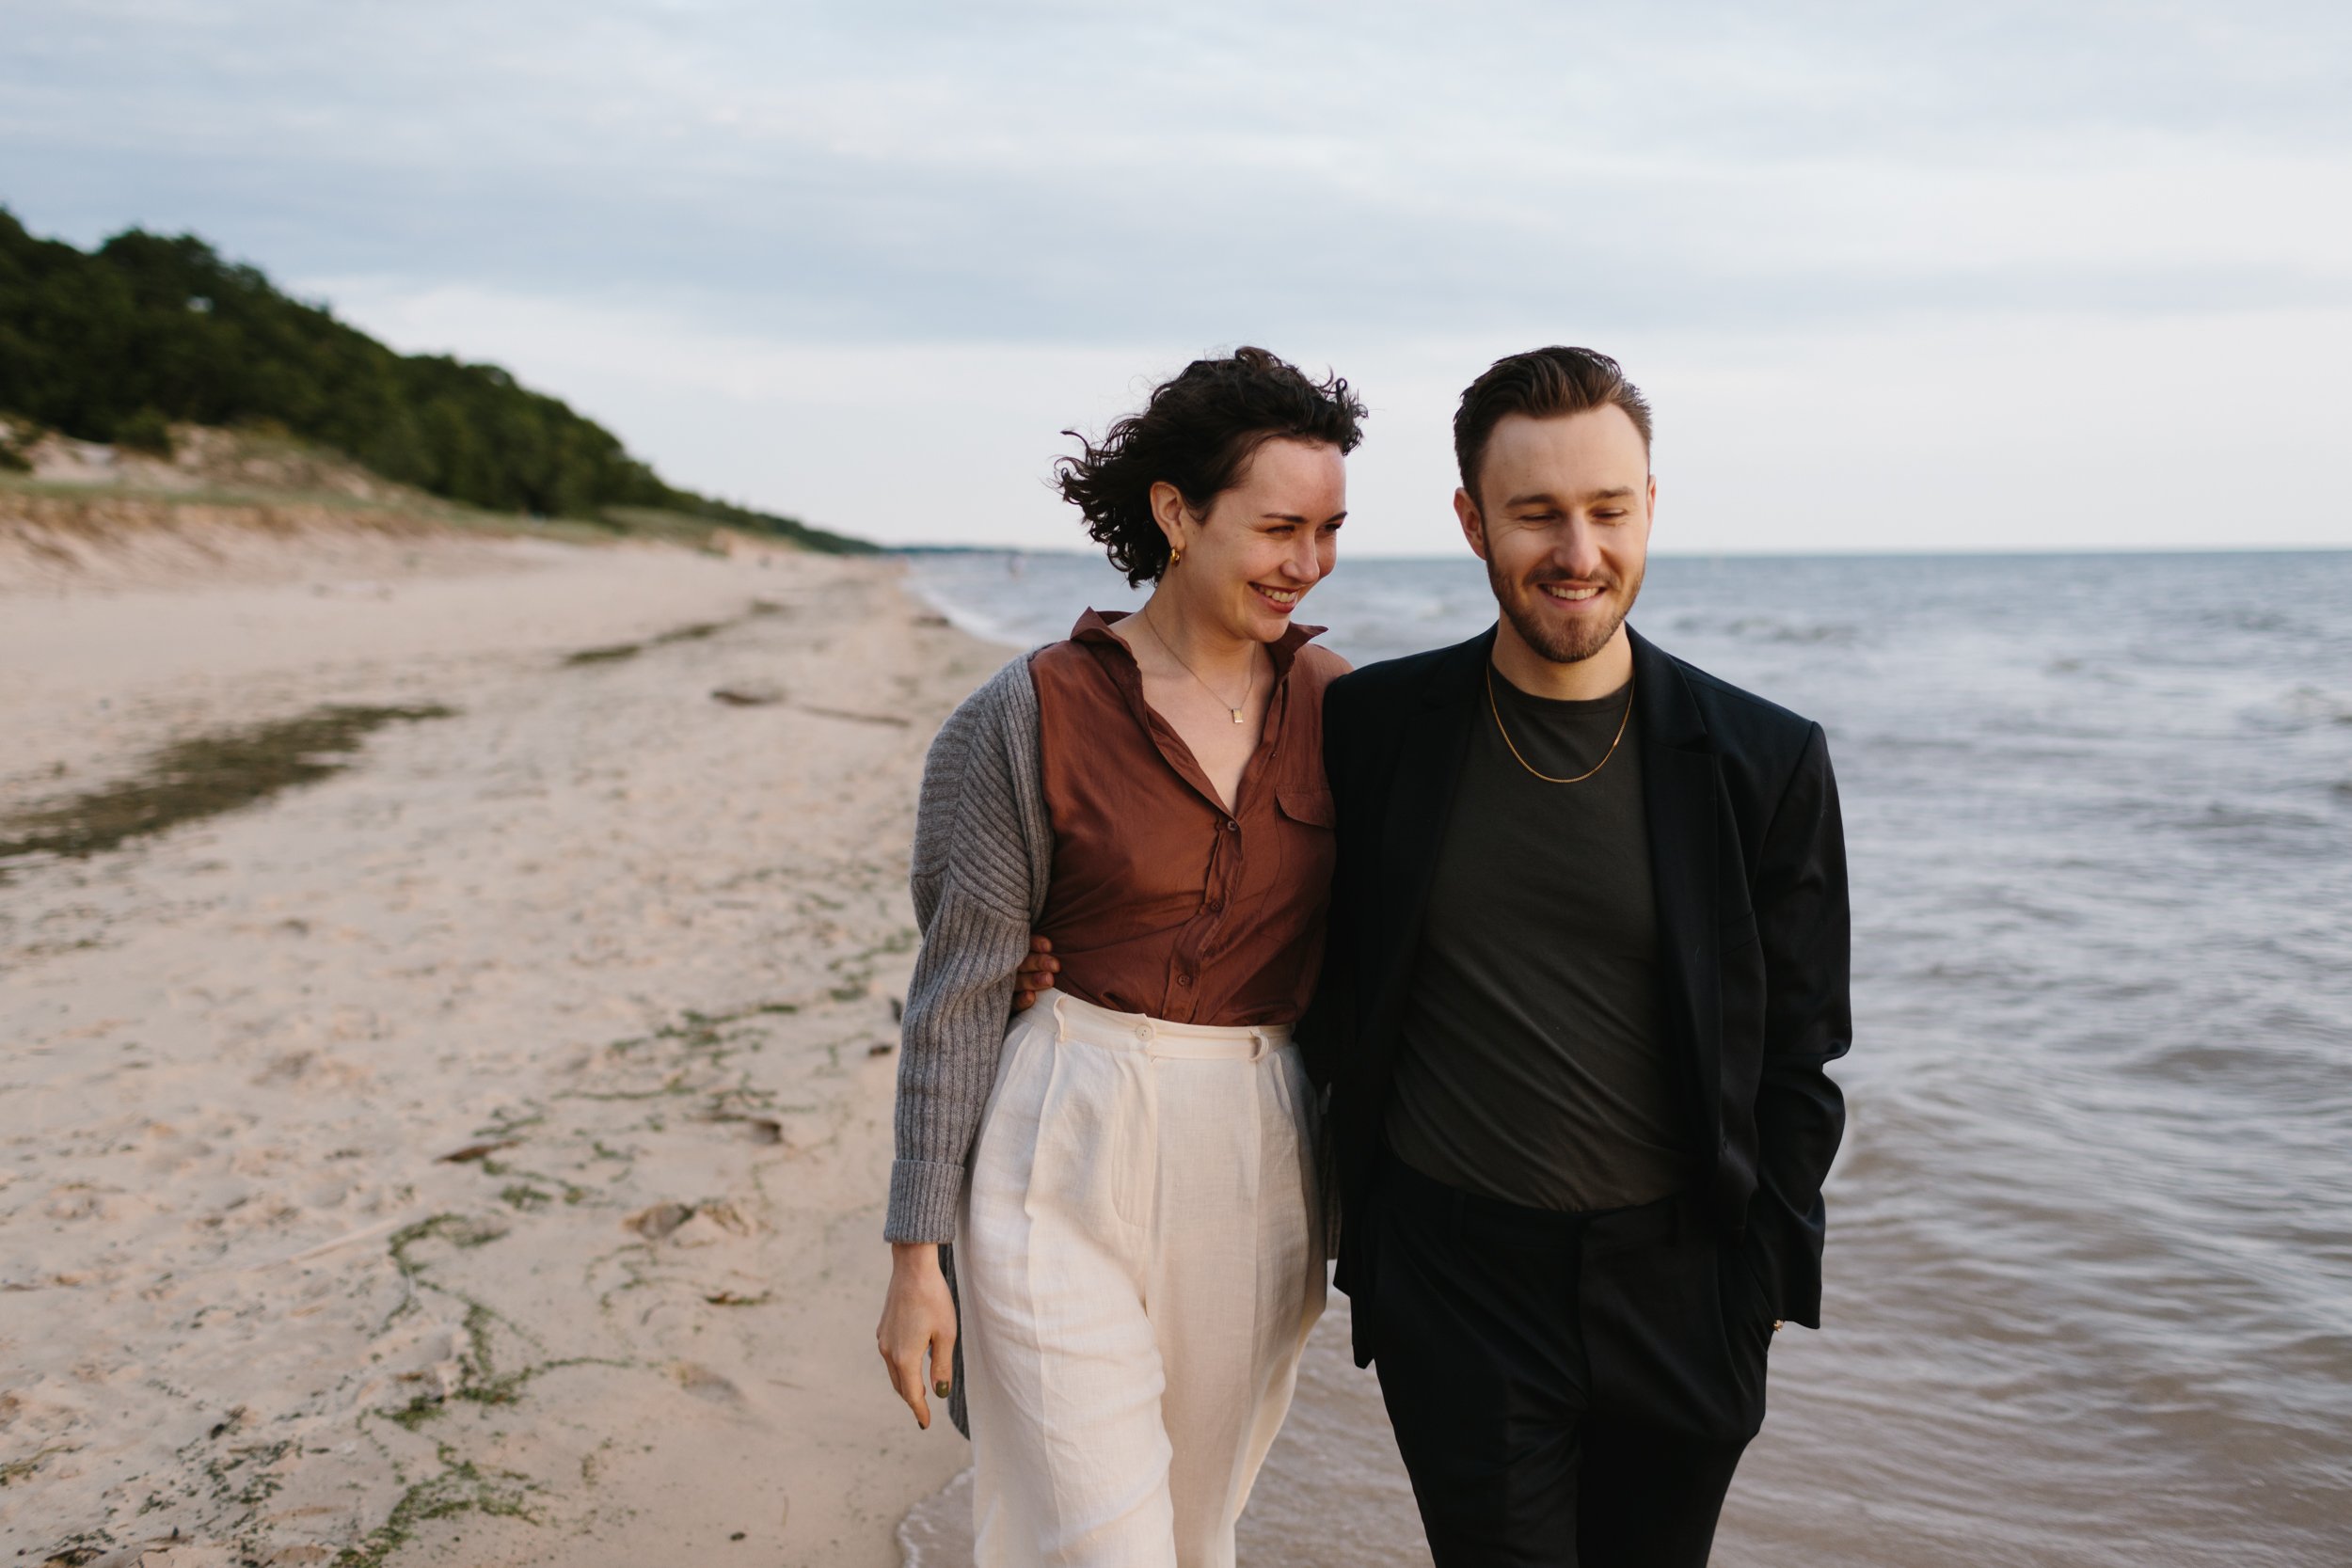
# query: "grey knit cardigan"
{"type": "Point", "coordinates": [983, 854]}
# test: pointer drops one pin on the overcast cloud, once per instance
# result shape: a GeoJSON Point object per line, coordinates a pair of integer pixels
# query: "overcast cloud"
{"type": "Point", "coordinates": [1897, 277]}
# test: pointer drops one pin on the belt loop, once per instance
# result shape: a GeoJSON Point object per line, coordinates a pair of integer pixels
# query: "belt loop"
{"type": "Point", "coordinates": [1061, 1022]}
{"type": "Point", "coordinates": [1257, 1045]}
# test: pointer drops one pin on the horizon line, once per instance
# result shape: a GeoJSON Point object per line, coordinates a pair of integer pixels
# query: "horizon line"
{"type": "Point", "coordinates": [1817, 553]}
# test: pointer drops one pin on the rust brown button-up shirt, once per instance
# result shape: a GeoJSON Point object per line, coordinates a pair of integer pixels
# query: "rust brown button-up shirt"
{"type": "Point", "coordinates": [1161, 901]}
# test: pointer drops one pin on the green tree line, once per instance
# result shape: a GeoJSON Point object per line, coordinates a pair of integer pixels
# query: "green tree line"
{"type": "Point", "coordinates": [110, 344]}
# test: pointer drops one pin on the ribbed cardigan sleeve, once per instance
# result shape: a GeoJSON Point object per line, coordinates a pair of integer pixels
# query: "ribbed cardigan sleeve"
{"type": "Point", "coordinates": [983, 852]}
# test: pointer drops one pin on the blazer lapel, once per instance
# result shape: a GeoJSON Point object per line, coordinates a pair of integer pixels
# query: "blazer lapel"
{"type": "Point", "coordinates": [1431, 740]}
{"type": "Point", "coordinates": [1680, 787]}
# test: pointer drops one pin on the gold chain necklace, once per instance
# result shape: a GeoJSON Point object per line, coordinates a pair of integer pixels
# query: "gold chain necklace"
{"type": "Point", "coordinates": [1145, 616]}
{"type": "Point", "coordinates": [1501, 730]}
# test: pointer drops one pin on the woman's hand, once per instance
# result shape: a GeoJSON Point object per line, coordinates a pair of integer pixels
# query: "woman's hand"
{"type": "Point", "coordinates": [1035, 975]}
{"type": "Point", "coordinates": [918, 1316]}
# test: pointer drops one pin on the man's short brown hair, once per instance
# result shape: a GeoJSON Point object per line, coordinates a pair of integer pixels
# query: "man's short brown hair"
{"type": "Point", "coordinates": [1541, 383]}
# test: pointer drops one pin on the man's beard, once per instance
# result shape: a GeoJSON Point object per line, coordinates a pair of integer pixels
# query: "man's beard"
{"type": "Point", "coordinates": [1560, 642]}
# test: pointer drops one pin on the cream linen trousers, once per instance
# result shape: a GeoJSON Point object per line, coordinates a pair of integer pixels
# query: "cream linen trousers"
{"type": "Point", "coordinates": [1138, 1271]}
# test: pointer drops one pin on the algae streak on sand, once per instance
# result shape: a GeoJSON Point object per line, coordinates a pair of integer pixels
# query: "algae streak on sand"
{"type": "Point", "coordinates": [203, 777]}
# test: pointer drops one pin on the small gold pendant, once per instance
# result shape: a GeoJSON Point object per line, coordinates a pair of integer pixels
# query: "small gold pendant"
{"type": "Point", "coordinates": [1237, 716]}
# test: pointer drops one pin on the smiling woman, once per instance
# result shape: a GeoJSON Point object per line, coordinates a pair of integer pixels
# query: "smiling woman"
{"type": "Point", "coordinates": [1126, 1177]}
{"type": "Point", "coordinates": [1192, 441]}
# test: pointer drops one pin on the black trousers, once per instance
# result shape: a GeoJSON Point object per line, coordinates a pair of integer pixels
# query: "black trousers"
{"type": "Point", "coordinates": [1566, 1389]}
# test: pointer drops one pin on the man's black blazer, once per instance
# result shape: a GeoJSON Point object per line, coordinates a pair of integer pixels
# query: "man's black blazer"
{"type": "Point", "coordinates": [1748, 856]}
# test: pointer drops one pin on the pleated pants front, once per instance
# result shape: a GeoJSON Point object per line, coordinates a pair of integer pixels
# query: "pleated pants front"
{"type": "Point", "coordinates": [1137, 1268]}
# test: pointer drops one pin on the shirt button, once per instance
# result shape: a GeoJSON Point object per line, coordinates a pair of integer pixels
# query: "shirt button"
{"type": "Point", "coordinates": [1217, 906]}
{"type": "Point", "coordinates": [1183, 979]}
{"type": "Point", "coordinates": [1232, 827]}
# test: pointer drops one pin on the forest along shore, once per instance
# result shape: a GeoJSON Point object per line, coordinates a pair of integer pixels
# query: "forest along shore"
{"type": "Point", "coordinates": [447, 1022]}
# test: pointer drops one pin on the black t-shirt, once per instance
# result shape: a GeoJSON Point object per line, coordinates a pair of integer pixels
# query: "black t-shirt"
{"type": "Point", "coordinates": [1533, 1068]}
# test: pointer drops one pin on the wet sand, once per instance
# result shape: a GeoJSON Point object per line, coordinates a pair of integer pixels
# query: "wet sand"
{"type": "Point", "coordinates": [470, 1148]}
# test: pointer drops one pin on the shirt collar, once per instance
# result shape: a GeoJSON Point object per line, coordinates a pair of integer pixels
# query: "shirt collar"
{"type": "Point", "coordinates": [1094, 627]}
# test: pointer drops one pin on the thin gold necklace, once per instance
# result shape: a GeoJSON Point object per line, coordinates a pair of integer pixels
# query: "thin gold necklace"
{"type": "Point", "coordinates": [1501, 730]}
{"type": "Point", "coordinates": [1236, 712]}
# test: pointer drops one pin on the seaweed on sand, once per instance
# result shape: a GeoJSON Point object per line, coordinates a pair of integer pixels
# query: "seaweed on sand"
{"type": "Point", "coordinates": [203, 777]}
{"type": "Point", "coordinates": [613, 653]}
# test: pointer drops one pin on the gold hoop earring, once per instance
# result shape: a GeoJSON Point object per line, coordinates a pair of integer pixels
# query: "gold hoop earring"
{"type": "Point", "coordinates": [1175, 558]}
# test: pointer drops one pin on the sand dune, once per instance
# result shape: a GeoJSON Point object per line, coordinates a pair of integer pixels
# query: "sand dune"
{"type": "Point", "coordinates": [473, 1156]}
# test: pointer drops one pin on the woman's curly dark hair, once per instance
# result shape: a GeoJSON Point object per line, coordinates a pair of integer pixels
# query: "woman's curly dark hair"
{"type": "Point", "coordinates": [1196, 432]}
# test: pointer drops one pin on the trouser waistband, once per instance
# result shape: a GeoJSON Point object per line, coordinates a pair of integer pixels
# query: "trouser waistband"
{"type": "Point", "coordinates": [1411, 1192]}
{"type": "Point", "coordinates": [1087, 1024]}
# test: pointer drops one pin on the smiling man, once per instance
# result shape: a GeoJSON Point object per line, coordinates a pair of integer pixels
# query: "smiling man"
{"type": "Point", "coordinates": [1587, 967]}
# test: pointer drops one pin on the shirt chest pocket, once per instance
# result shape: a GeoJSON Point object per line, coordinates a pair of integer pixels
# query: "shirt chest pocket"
{"type": "Point", "coordinates": [1308, 807]}
{"type": "Point", "coordinates": [1304, 820]}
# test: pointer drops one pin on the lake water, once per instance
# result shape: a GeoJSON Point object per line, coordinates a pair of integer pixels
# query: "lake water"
{"type": "Point", "coordinates": [2089, 1296]}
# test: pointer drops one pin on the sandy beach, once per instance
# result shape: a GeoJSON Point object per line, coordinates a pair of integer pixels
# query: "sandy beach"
{"type": "Point", "coordinates": [473, 1155]}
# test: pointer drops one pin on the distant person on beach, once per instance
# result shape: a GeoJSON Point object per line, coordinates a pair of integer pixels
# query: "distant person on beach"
{"type": "Point", "coordinates": [1127, 1175]}
{"type": "Point", "coordinates": [1587, 967]}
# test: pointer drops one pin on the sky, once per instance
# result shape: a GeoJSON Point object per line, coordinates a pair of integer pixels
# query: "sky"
{"type": "Point", "coordinates": [1896, 276]}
